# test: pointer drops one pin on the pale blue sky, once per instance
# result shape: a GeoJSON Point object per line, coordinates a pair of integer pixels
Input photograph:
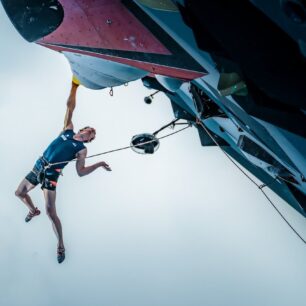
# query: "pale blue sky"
{"type": "Point", "coordinates": [180, 227]}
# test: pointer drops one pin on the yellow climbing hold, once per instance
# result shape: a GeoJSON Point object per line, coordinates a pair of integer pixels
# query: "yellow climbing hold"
{"type": "Point", "coordinates": [75, 80]}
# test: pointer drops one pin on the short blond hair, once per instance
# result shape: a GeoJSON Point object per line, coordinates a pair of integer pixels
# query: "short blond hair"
{"type": "Point", "coordinates": [88, 127]}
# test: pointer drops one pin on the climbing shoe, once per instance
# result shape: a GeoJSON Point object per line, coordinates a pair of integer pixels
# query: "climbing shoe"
{"type": "Point", "coordinates": [30, 215]}
{"type": "Point", "coordinates": [60, 255]}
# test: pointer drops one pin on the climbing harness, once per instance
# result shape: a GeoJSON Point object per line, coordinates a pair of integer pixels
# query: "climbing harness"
{"type": "Point", "coordinates": [40, 170]}
{"type": "Point", "coordinates": [46, 176]}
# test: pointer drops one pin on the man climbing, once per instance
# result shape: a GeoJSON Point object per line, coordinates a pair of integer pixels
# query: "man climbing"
{"type": "Point", "coordinates": [66, 147]}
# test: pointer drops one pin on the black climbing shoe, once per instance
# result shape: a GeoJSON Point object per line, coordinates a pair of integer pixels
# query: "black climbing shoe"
{"type": "Point", "coordinates": [30, 215]}
{"type": "Point", "coordinates": [60, 255]}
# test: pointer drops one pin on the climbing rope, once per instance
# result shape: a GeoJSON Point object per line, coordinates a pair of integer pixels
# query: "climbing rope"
{"type": "Point", "coordinates": [260, 187]}
{"type": "Point", "coordinates": [120, 149]}
{"type": "Point", "coordinates": [199, 122]}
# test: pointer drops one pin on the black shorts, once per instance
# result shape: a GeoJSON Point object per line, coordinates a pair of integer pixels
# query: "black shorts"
{"type": "Point", "coordinates": [47, 178]}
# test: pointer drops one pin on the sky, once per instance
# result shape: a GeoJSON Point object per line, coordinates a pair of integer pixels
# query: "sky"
{"type": "Point", "coordinates": [180, 227]}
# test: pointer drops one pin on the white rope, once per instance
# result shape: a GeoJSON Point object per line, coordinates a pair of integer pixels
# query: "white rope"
{"type": "Point", "coordinates": [260, 187]}
{"type": "Point", "coordinates": [119, 149]}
